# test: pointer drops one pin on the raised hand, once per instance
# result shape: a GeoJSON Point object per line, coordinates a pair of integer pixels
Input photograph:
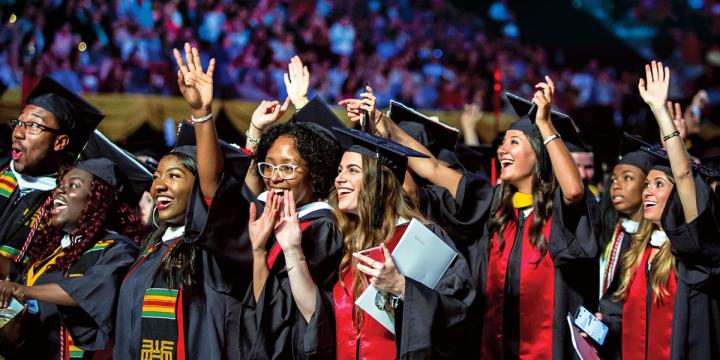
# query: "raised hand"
{"type": "Point", "coordinates": [297, 82]}
{"type": "Point", "coordinates": [676, 115]}
{"type": "Point", "coordinates": [654, 88]}
{"type": "Point", "coordinates": [356, 109]}
{"type": "Point", "coordinates": [543, 99]}
{"type": "Point", "coordinates": [384, 276]}
{"type": "Point", "coordinates": [469, 119]}
{"type": "Point", "coordinates": [267, 113]}
{"type": "Point", "coordinates": [260, 229]}
{"type": "Point", "coordinates": [195, 85]}
{"type": "Point", "coordinates": [287, 228]}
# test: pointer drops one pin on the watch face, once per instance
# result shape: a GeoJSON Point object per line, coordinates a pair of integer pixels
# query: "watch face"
{"type": "Point", "coordinates": [380, 301]}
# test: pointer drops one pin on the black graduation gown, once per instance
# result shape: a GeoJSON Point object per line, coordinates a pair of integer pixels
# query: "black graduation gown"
{"type": "Point", "coordinates": [429, 323]}
{"type": "Point", "coordinates": [272, 327]}
{"type": "Point", "coordinates": [16, 213]}
{"type": "Point", "coordinates": [573, 248]}
{"type": "Point", "coordinates": [93, 283]}
{"type": "Point", "coordinates": [696, 310]}
{"type": "Point", "coordinates": [212, 314]}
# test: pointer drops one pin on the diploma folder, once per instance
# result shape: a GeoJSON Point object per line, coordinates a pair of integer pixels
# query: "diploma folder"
{"type": "Point", "coordinates": [420, 255]}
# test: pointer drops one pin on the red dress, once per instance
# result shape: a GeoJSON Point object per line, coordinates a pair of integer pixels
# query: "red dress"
{"type": "Point", "coordinates": [374, 340]}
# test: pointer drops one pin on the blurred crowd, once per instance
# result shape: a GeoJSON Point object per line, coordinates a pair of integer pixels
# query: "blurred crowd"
{"type": "Point", "coordinates": [428, 54]}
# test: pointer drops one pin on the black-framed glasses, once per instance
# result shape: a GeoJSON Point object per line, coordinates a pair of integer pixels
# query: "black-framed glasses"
{"type": "Point", "coordinates": [286, 171]}
{"type": "Point", "coordinates": [32, 128]}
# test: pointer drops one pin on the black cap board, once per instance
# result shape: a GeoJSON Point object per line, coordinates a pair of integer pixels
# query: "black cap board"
{"type": "Point", "coordinates": [319, 118]}
{"type": "Point", "coordinates": [662, 162]}
{"type": "Point", "coordinates": [236, 160]}
{"type": "Point", "coordinates": [431, 133]}
{"type": "Point", "coordinates": [527, 111]}
{"type": "Point", "coordinates": [117, 167]}
{"type": "Point", "coordinates": [387, 152]}
{"type": "Point", "coordinates": [391, 154]}
{"type": "Point", "coordinates": [75, 116]}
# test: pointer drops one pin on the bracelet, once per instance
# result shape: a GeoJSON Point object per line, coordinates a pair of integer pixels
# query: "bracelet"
{"type": "Point", "coordinates": [551, 138]}
{"type": "Point", "coordinates": [251, 139]}
{"type": "Point", "coordinates": [202, 119]}
{"type": "Point", "coordinates": [253, 125]}
{"type": "Point", "coordinates": [671, 135]}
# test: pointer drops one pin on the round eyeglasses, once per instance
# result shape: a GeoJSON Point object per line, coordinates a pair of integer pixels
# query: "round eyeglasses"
{"type": "Point", "coordinates": [286, 171]}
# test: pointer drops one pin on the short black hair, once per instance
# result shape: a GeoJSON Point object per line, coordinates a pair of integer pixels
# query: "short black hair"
{"type": "Point", "coordinates": [321, 154]}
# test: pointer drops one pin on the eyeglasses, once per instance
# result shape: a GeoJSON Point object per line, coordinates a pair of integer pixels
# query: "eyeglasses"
{"type": "Point", "coordinates": [286, 171]}
{"type": "Point", "coordinates": [32, 128]}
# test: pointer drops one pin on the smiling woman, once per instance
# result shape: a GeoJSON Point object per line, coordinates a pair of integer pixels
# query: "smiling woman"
{"type": "Point", "coordinates": [76, 265]}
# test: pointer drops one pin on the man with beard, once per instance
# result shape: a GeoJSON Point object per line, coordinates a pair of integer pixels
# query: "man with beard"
{"type": "Point", "coordinates": [49, 133]}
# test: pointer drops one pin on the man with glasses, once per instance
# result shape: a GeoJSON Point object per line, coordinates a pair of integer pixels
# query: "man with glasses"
{"type": "Point", "coordinates": [50, 132]}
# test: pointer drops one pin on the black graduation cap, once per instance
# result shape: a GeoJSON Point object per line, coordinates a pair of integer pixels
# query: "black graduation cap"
{"type": "Point", "coordinates": [236, 160]}
{"type": "Point", "coordinates": [477, 158]}
{"type": "Point", "coordinates": [76, 117]}
{"type": "Point", "coordinates": [527, 111]}
{"type": "Point", "coordinates": [431, 133]}
{"type": "Point", "coordinates": [318, 118]}
{"type": "Point", "coordinates": [388, 152]}
{"type": "Point", "coordinates": [662, 162]}
{"type": "Point", "coordinates": [117, 167]}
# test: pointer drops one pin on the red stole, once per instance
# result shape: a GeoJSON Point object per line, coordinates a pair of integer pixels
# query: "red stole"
{"type": "Point", "coordinates": [637, 333]}
{"type": "Point", "coordinates": [375, 341]}
{"type": "Point", "coordinates": [276, 249]}
{"type": "Point", "coordinates": [536, 299]}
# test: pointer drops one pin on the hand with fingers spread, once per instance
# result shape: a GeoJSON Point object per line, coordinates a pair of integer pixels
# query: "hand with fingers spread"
{"type": "Point", "coordinates": [8, 290]}
{"type": "Point", "coordinates": [543, 99]}
{"type": "Point", "coordinates": [676, 115]}
{"type": "Point", "coordinates": [384, 276]}
{"type": "Point", "coordinates": [654, 88]}
{"type": "Point", "coordinates": [297, 82]}
{"type": "Point", "coordinates": [267, 113]}
{"type": "Point", "coordinates": [259, 229]}
{"type": "Point", "coordinates": [287, 228]}
{"type": "Point", "coordinates": [195, 85]}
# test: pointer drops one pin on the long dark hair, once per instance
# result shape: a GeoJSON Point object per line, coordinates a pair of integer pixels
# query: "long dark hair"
{"type": "Point", "coordinates": [102, 200]}
{"type": "Point", "coordinates": [180, 267]}
{"type": "Point", "coordinates": [543, 189]}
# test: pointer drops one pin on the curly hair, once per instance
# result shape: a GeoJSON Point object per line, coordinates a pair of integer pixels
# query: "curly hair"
{"type": "Point", "coordinates": [543, 187]}
{"type": "Point", "coordinates": [321, 154]}
{"type": "Point", "coordinates": [102, 201]}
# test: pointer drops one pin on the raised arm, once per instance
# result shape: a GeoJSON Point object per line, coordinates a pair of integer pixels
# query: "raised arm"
{"type": "Point", "coordinates": [196, 87]}
{"type": "Point", "coordinates": [266, 114]}
{"type": "Point", "coordinates": [471, 115]}
{"type": "Point", "coordinates": [654, 90]}
{"type": "Point", "coordinates": [428, 168]}
{"type": "Point", "coordinates": [563, 165]}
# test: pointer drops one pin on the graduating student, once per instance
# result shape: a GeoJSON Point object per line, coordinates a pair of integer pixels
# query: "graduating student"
{"type": "Point", "coordinates": [49, 133]}
{"type": "Point", "coordinates": [372, 210]}
{"type": "Point", "coordinates": [667, 304]}
{"type": "Point", "coordinates": [621, 209]}
{"type": "Point", "coordinates": [298, 157]}
{"type": "Point", "coordinates": [179, 300]}
{"type": "Point", "coordinates": [77, 264]}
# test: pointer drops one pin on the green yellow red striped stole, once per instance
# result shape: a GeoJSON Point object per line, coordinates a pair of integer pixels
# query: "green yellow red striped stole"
{"type": "Point", "coordinates": [67, 345]}
{"type": "Point", "coordinates": [100, 245]}
{"type": "Point", "coordinates": [8, 183]}
{"type": "Point", "coordinates": [159, 303]}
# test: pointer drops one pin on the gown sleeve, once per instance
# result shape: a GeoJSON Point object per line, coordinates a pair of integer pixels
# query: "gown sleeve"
{"type": "Point", "coordinates": [432, 322]}
{"type": "Point", "coordinates": [273, 324]}
{"type": "Point", "coordinates": [612, 310]}
{"type": "Point", "coordinates": [96, 292]}
{"type": "Point", "coordinates": [696, 245]}
{"type": "Point", "coordinates": [220, 227]}
{"type": "Point", "coordinates": [574, 237]}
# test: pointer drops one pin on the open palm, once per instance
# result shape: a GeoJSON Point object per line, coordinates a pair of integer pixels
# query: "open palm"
{"type": "Point", "coordinates": [195, 85]}
{"type": "Point", "coordinates": [287, 229]}
{"type": "Point", "coordinates": [654, 88]}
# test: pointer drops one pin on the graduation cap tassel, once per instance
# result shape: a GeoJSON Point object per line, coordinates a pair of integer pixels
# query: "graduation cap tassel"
{"type": "Point", "coordinates": [378, 193]}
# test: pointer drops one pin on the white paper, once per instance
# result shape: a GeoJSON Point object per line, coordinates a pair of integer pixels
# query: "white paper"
{"type": "Point", "coordinates": [420, 255]}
